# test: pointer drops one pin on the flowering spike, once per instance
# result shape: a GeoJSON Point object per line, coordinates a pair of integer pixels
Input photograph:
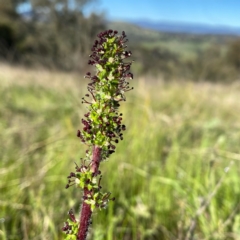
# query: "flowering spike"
{"type": "Point", "coordinates": [102, 124]}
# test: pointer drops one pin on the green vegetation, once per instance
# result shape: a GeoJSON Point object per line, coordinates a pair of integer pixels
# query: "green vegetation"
{"type": "Point", "coordinates": [181, 149]}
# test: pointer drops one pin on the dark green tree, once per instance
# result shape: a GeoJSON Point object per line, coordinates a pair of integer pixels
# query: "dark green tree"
{"type": "Point", "coordinates": [10, 24]}
{"type": "Point", "coordinates": [57, 34]}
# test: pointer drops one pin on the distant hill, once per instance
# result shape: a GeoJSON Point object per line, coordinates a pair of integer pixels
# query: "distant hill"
{"type": "Point", "coordinates": [181, 27]}
{"type": "Point", "coordinates": [186, 44]}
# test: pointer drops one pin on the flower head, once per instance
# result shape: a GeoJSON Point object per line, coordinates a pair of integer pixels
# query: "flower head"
{"type": "Point", "coordinates": [102, 125]}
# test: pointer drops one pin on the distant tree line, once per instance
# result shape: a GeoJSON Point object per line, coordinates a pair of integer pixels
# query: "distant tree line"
{"type": "Point", "coordinates": [54, 34]}
{"type": "Point", "coordinates": [212, 64]}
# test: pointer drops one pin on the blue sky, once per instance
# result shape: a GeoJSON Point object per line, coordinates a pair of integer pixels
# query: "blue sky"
{"type": "Point", "coordinates": [214, 12]}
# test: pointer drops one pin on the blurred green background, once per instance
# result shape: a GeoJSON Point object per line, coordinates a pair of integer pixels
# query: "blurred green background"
{"type": "Point", "coordinates": [175, 175]}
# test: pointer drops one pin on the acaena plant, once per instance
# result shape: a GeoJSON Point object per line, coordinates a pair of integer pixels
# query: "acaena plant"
{"type": "Point", "coordinates": [102, 126]}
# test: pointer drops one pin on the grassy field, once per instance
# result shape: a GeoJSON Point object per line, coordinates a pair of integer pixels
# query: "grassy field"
{"type": "Point", "coordinates": [175, 176]}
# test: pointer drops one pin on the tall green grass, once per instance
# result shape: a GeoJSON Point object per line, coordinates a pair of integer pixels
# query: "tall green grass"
{"type": "Point", "coordinates": [179, 163]}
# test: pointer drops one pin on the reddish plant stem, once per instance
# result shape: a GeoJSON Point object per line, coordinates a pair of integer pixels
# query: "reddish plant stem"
{"type": "Point", "coordinates": [96, 159]}
{"type": "Point", "coordinates": [86, 212]}
{"type": "Point", "coordinates": [85, 217]}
